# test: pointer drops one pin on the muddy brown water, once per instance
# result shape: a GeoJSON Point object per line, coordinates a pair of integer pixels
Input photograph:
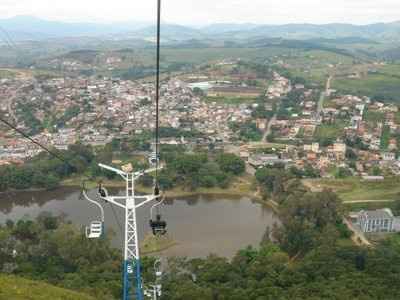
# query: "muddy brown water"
{"type": "Point", "coordinates": [201, 225]}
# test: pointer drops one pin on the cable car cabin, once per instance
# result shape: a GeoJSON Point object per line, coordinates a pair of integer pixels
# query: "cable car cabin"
{"type": "Point", "coordinates": [153, 158]}
{"type": "Point", "coordinates": [95, 230]}
{"type": "Point", "coordinates": [158, 226]}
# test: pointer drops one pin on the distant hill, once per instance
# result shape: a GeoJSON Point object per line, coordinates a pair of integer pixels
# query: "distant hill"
{"type": "Point", "coordinates": [15, 288]}
{"type": "Point", "coordinates": [31, 28]}
{"type": "Point", "coordinates": [169, 32]}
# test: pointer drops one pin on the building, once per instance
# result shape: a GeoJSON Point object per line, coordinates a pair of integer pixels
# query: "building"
{"type": "Point", "coordinates": [381, 220]}
{"type": "Point", "coordinates": [388, 156]}
{"type": "Point", "coordinates": [231, 91]}
{"type": "Point", "coordinates": [261, 160]}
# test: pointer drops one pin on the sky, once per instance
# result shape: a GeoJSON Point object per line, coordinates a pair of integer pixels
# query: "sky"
{"type": "Point", "coordinates": [202, 12]}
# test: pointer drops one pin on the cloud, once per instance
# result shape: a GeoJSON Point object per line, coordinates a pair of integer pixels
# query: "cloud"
{"type": "Point", "coordinates": [209, 11]}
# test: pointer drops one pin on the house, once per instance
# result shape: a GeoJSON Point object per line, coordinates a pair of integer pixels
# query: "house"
{"type": "Point", "coordinates": [260, 160]}
{"type": "Point", "coordinates": [381, 220]}
{"type": "Point", "coordinates": [373, 178]}
{"type": "Point", "coordinates": [388, 156]}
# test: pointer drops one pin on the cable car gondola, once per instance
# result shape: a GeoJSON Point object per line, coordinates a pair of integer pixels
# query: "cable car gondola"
{"type": "Point", "coordinates": [96, 228]}
{"type": "Point", "coordinates": [158, 225]}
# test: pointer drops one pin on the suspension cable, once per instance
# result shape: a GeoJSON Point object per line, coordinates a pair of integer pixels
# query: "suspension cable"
{"type": "Point", "coordinates": [157, 133]}
{"type": "Point", "coordinates": [117, 220]}
{"type": "Point", "coordinates": [52, 153]}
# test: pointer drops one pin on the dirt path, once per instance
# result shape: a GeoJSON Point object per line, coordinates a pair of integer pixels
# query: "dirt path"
{"type": "Point", "coordinates": [324, 94]}
{"type": "Point", "coordinates": [357, 237]}
{"type": "Point", "coordinates": [269, 127]}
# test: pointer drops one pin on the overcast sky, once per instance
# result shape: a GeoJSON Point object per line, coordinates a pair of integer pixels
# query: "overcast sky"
{"type": "Point", "coordinates": [209, 11]}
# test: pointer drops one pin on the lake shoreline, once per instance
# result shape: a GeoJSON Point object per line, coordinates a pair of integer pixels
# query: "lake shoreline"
{"type": "Point", "coordinates": [177, 193]}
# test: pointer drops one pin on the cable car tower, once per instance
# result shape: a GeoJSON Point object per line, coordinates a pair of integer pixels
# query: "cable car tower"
{"type": "Point", "coordinates": [130, 203]}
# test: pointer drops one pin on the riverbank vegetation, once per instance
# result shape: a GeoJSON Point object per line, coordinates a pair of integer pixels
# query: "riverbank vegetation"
{"type": "Point", "coordinates": [183, 172]}
{"type": "Point", "coordinates": [46, 172]}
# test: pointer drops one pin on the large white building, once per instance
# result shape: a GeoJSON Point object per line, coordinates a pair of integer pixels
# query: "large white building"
{"type": "Point", "coordinates": [381, 220]}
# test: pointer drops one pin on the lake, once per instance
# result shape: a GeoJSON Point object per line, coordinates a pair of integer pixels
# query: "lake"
{"type": "Point", "coordinates": [201, 225]}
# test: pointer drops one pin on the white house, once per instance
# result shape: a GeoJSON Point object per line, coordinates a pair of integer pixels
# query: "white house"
{"type": "Point", "coordinates": [381, 220]}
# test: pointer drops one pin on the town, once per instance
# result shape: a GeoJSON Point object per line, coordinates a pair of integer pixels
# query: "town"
{"type": "Point", "coordinates": [264, 121]}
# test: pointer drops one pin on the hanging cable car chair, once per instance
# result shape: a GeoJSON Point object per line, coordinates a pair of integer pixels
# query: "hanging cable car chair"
{"type": "Point", "coordinates": [96, 228]}
{"type": "Point", "coordinates": [157, 225]}
{"type": "Point", "coordinates": [153, 158]}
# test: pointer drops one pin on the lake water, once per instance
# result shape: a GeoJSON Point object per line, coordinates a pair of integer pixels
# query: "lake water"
{"type": "Point", "coordinates": [200, 225]}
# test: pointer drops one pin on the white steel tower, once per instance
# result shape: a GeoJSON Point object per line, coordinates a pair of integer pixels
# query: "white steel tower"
{"type": "Point", "coordinates": [129, 202]}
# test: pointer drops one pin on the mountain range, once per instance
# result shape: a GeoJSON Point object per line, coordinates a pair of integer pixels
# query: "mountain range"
{"type": "Point", "coordinates": [32, 28]}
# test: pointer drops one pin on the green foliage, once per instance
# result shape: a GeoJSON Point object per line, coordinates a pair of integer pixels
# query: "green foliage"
{"type": "Point", "coordinates": [46, 172]}
{"type": "Point", "coordinates": [343, 173]}
{"type": "Point", "coordinates": [230, 163]}
{"type": "Point", "coordinates": [278, 183]}
{"type": "Point", "coordinates": [305, 218]}
{"type": "Point", "coordinates": [379, 86]}
{"type": "Point", "coordinates": [198, 170]}
{"type": "Point", "coordinates": [52, 250]}
{"type": "Point", "coordinates": [385, 137]}
{"type": "Point", "coordinates": [167, 132]}
{"type": "Point", "coordinates": [247, 131]}
{"type": "Point", "coordinates": [198, 92]}
{"type": "Point", "coordinates": [328, 271]}
{"type": "Point", "coordinates": [26, 113]}
{"type": "Point", "coordinates": [70, 112]}
{"type": "Point", "coordinates": [328, 133]}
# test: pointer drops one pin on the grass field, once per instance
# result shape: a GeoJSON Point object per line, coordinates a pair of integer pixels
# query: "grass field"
{"type": "Point", "coordinates": [6, 74]}
{"type": "Point", "coordinates": [15, 288]}
{"type": "Point", "coordinates": [205, 55]}
{"type": "Point", "coordinates": [374, 116]}
{"type": "Point", "coordinates": [330, 131]}
{"type": "Point", "coordinates": [352, 189]}
{"type": "Point", "coordinates": [316, 65]}
{"type": "Point", "coordinates": [382, 85]}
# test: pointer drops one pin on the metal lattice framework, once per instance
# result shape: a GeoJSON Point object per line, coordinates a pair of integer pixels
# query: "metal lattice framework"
{"type": "Point", "coordinates": [130, 203]}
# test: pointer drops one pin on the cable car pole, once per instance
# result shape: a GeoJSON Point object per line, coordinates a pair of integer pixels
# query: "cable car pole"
{"type": "Point", "coordinates": [130, 203]}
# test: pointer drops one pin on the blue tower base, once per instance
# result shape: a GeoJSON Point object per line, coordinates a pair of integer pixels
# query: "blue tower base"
{"type": "Point", "coordinates": [132, 277]}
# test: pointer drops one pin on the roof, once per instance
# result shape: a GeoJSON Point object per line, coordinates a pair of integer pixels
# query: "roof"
{"type": "Point", "coordinates": [378, 214]}
{"type": "Point", "coordinates": [232, 89]}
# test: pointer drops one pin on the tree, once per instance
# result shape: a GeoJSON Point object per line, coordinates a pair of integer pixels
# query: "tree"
{"type": "Point", "coordinates": [198, 92]}
{"type": "Point", "coordinates": [305, 218]}
{"type": "Point", "coordinates": [343, 173]}
{"type": "Point", "coordinates": [230, 163]}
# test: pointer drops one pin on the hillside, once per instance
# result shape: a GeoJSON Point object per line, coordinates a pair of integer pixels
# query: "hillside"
{"type": "Point", "coordinates": [32, 28]}
{"type": "Point", "coordinates": [16, 288]}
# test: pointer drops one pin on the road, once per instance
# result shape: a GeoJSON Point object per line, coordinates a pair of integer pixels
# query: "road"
{"type": "Point", "coordinates": [10, 101]}
{"type": "Point", "coordinates": [366, 201]}
{"type": "Point", "coordinates": [269, 127]}
{"type": "Point", "coordinates": [324, 94]}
